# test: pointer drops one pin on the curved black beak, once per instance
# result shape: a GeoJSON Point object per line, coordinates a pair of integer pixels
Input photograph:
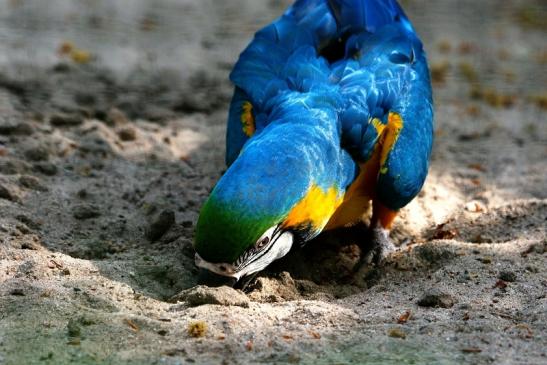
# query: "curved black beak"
{"type": "Point", "coordinates": [209, 278]}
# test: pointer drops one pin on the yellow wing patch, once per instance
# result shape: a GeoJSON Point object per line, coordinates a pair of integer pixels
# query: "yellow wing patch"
{"type": "Point", "coordinates": [378, 125]}
{"type": "Point", "coordinates": [315, 208]}
{"type": "Point", "coordinates": [248, 119]}
{"type": "Point", "coordinates": [394, 127]}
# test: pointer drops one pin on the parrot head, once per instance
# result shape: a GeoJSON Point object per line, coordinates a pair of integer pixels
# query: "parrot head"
{"type": "Point", "coordinates": [268, 200]}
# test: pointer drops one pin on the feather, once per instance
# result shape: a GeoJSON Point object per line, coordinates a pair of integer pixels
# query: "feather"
{"type": "Point", "coordinates": [326, 85]}
{"type": "Point", "coordinates": [369, 15]}
{"type": "Point", "coordinates": [360, 57]}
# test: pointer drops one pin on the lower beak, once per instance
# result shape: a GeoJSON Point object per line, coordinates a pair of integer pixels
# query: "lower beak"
{"type": "Point", "coordinates": [211, 279]}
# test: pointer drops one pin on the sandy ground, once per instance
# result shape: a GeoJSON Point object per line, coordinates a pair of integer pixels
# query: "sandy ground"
{"type": "Point", "coordinates": [108, 150]}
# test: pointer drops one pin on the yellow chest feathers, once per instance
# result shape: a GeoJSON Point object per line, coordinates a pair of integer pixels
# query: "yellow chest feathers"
{"type": "Point", "coordinates": [315, 208]}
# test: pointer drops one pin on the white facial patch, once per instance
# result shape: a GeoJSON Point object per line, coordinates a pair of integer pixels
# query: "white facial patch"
{"type": "Point", "coordinates": [280, 248]}
{"type": "Point", "coordinates": [253, 261]}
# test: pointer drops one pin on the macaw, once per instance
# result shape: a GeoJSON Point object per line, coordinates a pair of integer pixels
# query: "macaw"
{"type": "Point", "coordinates": [332, 110]}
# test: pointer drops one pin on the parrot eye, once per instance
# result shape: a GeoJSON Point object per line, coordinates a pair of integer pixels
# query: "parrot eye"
{"type": "Point", "coordinates": [262, 243]}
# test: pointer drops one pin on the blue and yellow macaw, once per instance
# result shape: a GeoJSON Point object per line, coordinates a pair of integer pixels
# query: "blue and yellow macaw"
{"type": "Point", "coordinates": [332, 109]}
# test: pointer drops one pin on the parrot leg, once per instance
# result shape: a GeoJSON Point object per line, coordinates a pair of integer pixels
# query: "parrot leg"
{"type": "Point", "coordinates": [380, 243]}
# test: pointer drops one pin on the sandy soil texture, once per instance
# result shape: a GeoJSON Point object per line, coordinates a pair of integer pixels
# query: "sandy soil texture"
{"type": "Point", "coordinates": [112, 129]}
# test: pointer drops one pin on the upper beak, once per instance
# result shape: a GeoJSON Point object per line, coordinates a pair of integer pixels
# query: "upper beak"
{"type": "Point", "coordinates": [211, 279]}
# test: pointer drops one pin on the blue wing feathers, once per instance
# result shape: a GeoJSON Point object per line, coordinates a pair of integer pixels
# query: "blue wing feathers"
{"type": "Point", "coordinates": [381, 68]}
{"type": "Point", "coordinates": [369, 15]}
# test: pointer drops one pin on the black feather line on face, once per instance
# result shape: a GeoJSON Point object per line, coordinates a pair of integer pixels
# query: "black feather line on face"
{"type": "Point", "coordinates": [242, 263]}
{"type": "Point", "coordinates": [301, 235]}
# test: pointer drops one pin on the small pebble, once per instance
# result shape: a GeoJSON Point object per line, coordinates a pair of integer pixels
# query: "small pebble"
{"type": "Point", "coordinates": [46, 168]}
{"type": "Point", "coordinates": [436, 299]}
{"type": "Point", "coordinates": [76, 341]}
{"type": "Point", "coordinates": [83, 212]}
{"type": "Point", "coordinates": [164, 221]}
{"type": "Point", "coordinates": [475, 207]}
{"type": "Point", "coordinates": [500, 284]}
{"type": "Point", "coordinates": [65, 120]}
{"type": "Point", "coordinates": [31, 182]}
{"type": "Point", "coordinates": [82, 194]}
{"type": "Point", "coordinates": [157, 113]}
{"type": "Point", "coordinates": [100, 114]}
{"type": "Point", "coordinates": [37, 154]}
{"type": "Point", "coordinates": [23, 228]}
{"type": "Point", "coordinates": [61, 67]}
{"type": "Point", "coordinates": [197, 329]}
{"type": "Point", "coordinates": [85, 98]}
{"type": "Point", "coordinates": [33, 246]}
{"type": "Point", "coordinates": [86, 321]}
{"type": "Point", "coordinates": [80, 56]}
{"type": "Point", "coordinates": [95, 249]}
{"type": "Point", "coordinates": [486, 260]}
{"type": "Point", "coordinates": [201, 295]}
{"type": "Point", "coordinates": [471, 350]}
{"type": "Point", "coordinates": [49, 356]}
{"type": "Point", "coordinates": [28, 221]}
{"type": "Point", "coordinates": [17, 292]}
{"type": "Point", "coordinates": [9, 126]}
{"type": "Point", "coordinates": [397, 333]}
{"type": "Point", "coordinates": [127, 134]}
{"type": "Point", "coordinates": [73, 329]}
{"type": "Point", "coordinates": [13, 167]}
{"type": "Point", "coordinates": [508, 276]}
{"type": "Point", "coordinates": [116, 117]}
{"type": "Point", "coordinates": [7, 194]}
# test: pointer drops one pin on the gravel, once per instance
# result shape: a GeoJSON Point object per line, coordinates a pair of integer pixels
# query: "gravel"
{"type": "Point", "coordinates": [83, 212]}
{"type": "Point", "coordinates": [202, 295]}
{"type": "Point", "coordinates": [83, 247]}
{"type": "Point", "coordinates": [437, 299]}
{"type": "Point", "coordinates": [160, 225]}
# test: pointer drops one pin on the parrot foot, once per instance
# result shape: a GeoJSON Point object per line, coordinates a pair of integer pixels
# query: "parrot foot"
{"type": "Point", "coordinates": [379, 248]}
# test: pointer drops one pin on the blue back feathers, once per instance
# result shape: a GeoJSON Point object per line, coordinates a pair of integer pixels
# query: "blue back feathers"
{"type": "Point", "coordinates": [316, 78]}
{"type": "Point", "coordinates": [367, 15]}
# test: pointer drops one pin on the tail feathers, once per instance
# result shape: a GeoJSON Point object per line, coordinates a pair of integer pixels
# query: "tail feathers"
{"type": "Point", "coordinates": [326, 19]}
{"type": "Point", "coordinates": [369, 15]}
{"type": "Point", "coordinates": [316, 17]}
{"type": "Point", "coordinates": [310, 24]}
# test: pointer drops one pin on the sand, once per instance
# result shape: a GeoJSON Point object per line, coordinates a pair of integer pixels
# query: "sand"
{"type": "Point", "coordinates": [112, 122]}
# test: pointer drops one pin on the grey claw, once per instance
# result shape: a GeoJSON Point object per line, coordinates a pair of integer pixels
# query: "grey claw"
{"type": "Point", "coordinates": [382, 245]}
{"type": "Point", "coordinates": [378, 246]}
